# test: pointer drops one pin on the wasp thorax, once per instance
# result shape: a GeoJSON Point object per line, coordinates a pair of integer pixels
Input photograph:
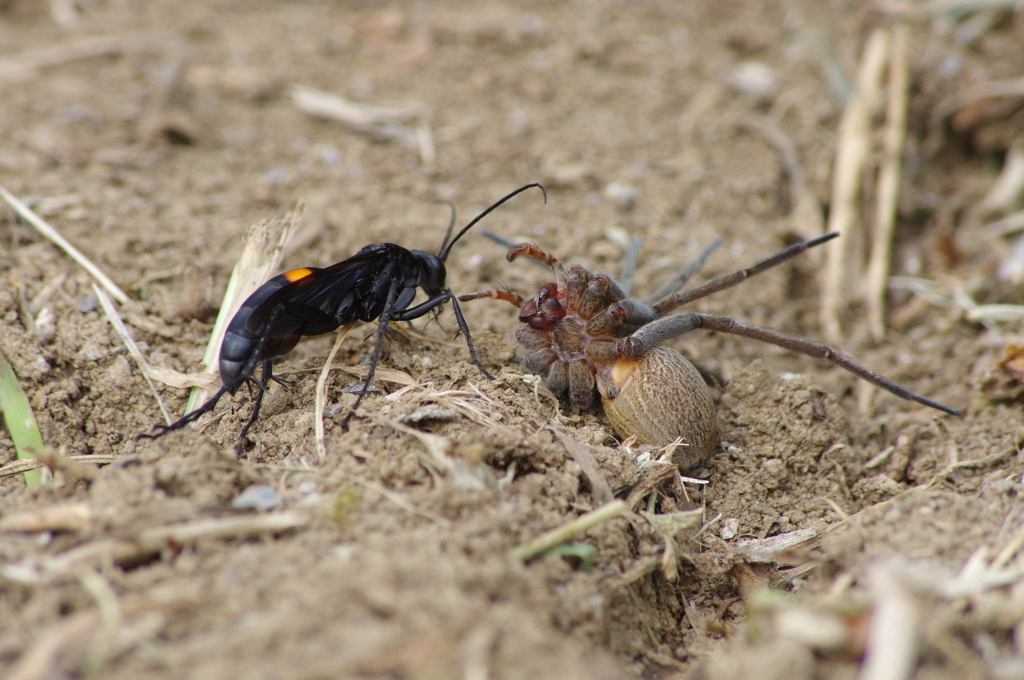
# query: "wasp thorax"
{"type": "Point", "coordinates": [660, 397]}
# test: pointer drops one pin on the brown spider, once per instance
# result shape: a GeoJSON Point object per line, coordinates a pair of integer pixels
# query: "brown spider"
{"type": "Point", "coordinates": [587, 336]}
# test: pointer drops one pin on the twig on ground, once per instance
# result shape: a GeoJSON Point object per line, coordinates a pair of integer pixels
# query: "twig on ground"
{"type": "Point", "coordinates": [27, 65]}
{"type": "Point", "coordinates": [378, 123]}
{"type": "Point", "coordinates": [567, 532]}
{"type": "Point", "coordinates": [20, 466]}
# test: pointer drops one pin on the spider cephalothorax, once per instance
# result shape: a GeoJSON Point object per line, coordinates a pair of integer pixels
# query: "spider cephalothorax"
{"type": "Point", "coordinates": [588, 338]}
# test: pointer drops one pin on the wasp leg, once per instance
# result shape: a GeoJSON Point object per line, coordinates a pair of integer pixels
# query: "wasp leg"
{"type": "Point", "coordinates": [382, 326]}
{"type": "Point", "coordinates": [464, 327]}
{"type": "Point", "coordinates": [161, 430]}
{"type": "Point", "coordinates": [261, 388]}
{"type": "Point", "coordinates": [421, 309]}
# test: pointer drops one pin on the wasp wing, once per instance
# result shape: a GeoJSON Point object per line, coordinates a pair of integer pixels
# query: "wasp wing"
{"type": "Point", "coordinates": [320, 300]}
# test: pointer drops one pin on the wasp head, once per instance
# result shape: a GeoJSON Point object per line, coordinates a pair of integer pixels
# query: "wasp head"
{"type": "Point", "coordinates": [432, 273]}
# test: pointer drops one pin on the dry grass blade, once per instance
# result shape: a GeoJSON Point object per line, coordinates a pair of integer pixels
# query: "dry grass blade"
{"type": "Point", "coordinates": [889, 181]}
{"type": "Point", "coordinates": [567, 532]}
{"type": "Point", "coordinates": [851, 159]}
{"type": "Point", "coordinates": [167, 376]}
{"type": "Point", "coordinates": [148, 544]}
{"type": "Point", "coordinates": [129, 343]}
{"type": "Point", "coordinates": [28, 64]}
{"type": "Point", "coordinates": [74, 645]}
{"type": "Point", "coordinates": [473, 405]}
{"type": "Point", "coordinates": [776, 548]}
{"type": "Point", "coordinates": [1010, 224]}
{"type": "Point", "coordinates": [20, 421]}
{"type": "Point", "coordinates": [222, 528]}
{"type": "Point", "coordinates": [74, 516]}
{"type": "Point", "coordinates": [1005, 194]}
{"type": "Point", "coordinates": [320, 400]}
{"type": "Point", "coordinates": [21, 466]}
{"type": "Point", "coordinates": [111, 619]}
{"type": "Point", "coordinates": [49, 232]}
{"type": "Point", "coordinates": [892, 637]}
{"type": "Point", "coordinates": [260, 259]}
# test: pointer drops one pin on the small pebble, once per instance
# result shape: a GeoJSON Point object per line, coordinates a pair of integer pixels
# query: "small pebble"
{"type": "Point", "coordinates": [622, 195]}
{"type": "Point", "coordinates": [730, 528]}
{"type": "Point", "coordinates": [259, 497]}
{"type": "Point", "coordinates": [87, 304]}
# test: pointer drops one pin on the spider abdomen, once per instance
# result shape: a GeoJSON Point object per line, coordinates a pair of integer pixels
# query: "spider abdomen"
{"type": "Point", "coordinates": [657, 398]}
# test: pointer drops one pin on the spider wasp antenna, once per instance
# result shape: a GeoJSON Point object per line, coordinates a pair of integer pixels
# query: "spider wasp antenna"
{"type": "Point", "coordinates": [446, 247]}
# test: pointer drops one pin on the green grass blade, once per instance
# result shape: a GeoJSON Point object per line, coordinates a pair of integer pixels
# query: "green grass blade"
{"type": "Point", "coordinates": [20, 421]}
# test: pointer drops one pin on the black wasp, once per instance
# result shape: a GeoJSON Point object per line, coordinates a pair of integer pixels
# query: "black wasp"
{"type": "Point", "coordinates": [379, 282]}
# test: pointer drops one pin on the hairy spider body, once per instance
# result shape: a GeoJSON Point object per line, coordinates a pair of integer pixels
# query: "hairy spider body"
{"type": "Point", "coordinates": [589, 339]}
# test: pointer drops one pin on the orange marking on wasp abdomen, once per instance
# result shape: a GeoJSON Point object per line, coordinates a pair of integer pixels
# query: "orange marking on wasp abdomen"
{"type": "Point", "coordinates": [296, 274]}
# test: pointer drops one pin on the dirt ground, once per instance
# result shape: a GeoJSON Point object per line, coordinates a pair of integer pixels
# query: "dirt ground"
{"type": "Point", "coordinates": [843, 530]}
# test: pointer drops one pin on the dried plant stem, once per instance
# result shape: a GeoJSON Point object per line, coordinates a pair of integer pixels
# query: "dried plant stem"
{"type": "Point", "coordinates": [888, 181]}
{"type": "Point", "coordinates": [320, 400]}
{"type": "Point", "coordinates": [27, 65]}
{"type": "Point", "coordinates": [129, 343]}
{"type": "Point", "coordinates": [567, 532]}
{"type": "Point", "coordinates": [851, 159]}
{"type": "Point", "coordinates": [260, 258]}
{"type": "Point", "coordinates": [49, 232]}
{"type": "Point", "coordinates": [892, 638]}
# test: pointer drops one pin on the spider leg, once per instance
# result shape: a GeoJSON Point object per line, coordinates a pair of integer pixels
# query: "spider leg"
{"type": "Point", "coordinates": [680, 279]}
{"type": "Point", "coordinates": [508, 244]}
{"type": "Point", "coordinates": [581, 384]}
{"type": "Point", "coordinates": [657, 331]}
{"type": "Point", "coordinates": [621, 318]}
{"type": "Point", "coordinates": [533, 252]}
{"type": "Point", "coordinates": [577, 282]}
{"type": "Point", "coordinates": [729, 280]}
{"type": "Point", "coordinates": [504, 294]}
{"type": "Point", "coordinates": [628, 273]}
